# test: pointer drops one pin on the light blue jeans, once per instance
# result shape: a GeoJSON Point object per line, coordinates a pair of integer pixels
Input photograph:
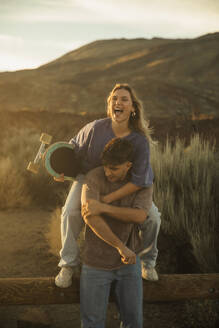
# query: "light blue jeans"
{"type": "Point", "coordinates": [72, 223]}
{"type": "Point", "coordinates": [94, 295]}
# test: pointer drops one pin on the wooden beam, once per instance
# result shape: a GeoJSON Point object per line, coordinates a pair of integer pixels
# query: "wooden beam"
{"type": "Point", "coordinates": [176, 287]}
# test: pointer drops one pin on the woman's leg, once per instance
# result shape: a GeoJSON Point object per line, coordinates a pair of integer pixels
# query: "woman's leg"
{"type": "Point", "coordinates": [71, 225]}
{"type": "Point", "coordinates": [149, 231]}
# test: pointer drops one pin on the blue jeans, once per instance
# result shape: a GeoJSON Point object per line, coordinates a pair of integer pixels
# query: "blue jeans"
{"type": "Point", "coordinates": [94, 295]}
{"type": "Point", "coordinates": [72, 223]}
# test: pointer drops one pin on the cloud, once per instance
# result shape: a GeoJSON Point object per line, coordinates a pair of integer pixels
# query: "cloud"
{"type": "Point", "coordinates": [204, 6]}
{"type": "Point", "coordinates": [11, 62]}
{"type": "Point", "coordinates": [10, 42]}
{"type": "Point", "coordinates": [43, 11]}
{"type": "Point", "coordinates": [42, 30]}
{"type": "Point", "coordinates": [18, 53]}
{"type": "Point", "coordinates": [97, 11]}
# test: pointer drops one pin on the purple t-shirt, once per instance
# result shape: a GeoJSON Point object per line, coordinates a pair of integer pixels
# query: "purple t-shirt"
{"type": "Point", "coordinates": [91, 140]}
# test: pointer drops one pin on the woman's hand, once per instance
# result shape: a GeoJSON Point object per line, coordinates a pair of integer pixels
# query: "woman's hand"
{"type": "Point", "coordinates": [60, 178]}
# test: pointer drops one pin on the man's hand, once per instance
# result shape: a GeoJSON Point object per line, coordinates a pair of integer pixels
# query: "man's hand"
{"type": "Point", "coordinates": [106, 199]}
{"type": "Point", "coordinates": [127, 255]}
{"type": "Point", "coordinates": [60, 178]}
{"type": "Point", "coordinates": [92, 207]}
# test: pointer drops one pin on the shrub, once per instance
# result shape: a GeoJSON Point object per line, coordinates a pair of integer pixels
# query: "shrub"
{"type": "Point", "coordinates": [13, 192]}
{"type": "Point", "coordinates": [185, 192]}
{"type": "Point", "coordinates": [19, 186]}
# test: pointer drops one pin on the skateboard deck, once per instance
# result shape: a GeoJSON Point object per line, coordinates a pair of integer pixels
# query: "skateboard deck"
{"type": "Point", "coordinates": [60, 158]}
{"type": "Point", "coordinates": [57, 158]}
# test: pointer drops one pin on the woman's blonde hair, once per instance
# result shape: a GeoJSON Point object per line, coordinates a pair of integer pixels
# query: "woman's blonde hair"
{"type": "Point", "coordinates": [137, 122]}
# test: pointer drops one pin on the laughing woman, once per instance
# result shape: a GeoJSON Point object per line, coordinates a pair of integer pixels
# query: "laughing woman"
{"type": "Point", "coordinates": [125, 120]}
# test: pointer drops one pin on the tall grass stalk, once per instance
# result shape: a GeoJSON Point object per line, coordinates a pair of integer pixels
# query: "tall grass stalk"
{"type": "Point", "coordinates": [185, 192]}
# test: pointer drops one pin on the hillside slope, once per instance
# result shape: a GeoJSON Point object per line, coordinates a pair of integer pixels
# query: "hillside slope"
{"type": "Point", "coordinates": [171, 77]}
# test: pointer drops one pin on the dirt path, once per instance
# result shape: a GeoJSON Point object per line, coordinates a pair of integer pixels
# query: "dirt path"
{"type": "Point", "coordinates": [27, 248]}
{"type": "Point", "coordinates": [24, 245]}
{"type": "Point", "coordinates": [29, 245]}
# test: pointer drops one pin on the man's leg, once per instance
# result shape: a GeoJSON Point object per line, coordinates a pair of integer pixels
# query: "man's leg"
{"type": "Point", "coordinates": [94, 295]}
{"type": "Point", "coordinates": [129, 295]}
{"type": "Point", "coordinates": [71, 225]}
{"type": "Point", "coordinates": [149, 231]}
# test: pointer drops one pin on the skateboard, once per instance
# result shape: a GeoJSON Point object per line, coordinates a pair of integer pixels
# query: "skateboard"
{"type": "Point", "coordinates": [57, 158]}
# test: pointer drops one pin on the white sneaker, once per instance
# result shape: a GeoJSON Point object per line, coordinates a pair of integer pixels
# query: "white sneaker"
{"type": "Point", "coordinates": [149, 274]}
{"type": "Point", "coordinates": [64, 278]}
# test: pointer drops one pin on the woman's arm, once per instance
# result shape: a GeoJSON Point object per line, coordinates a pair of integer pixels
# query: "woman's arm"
{"type": "Point", "coordinates": [141, 172]}
{"type": "Point", "coordinates": [125, 190]}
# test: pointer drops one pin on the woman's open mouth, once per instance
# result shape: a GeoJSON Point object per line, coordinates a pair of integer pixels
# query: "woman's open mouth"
{"type": "Point", "coordinates": [117, 111]}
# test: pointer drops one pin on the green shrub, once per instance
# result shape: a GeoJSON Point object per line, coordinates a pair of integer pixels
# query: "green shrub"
{"type": "Point", "coordinates": [185, 192]}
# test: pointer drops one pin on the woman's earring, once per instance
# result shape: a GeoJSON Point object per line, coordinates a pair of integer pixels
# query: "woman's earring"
{"type": "Point", "coordinates": [133, 114]}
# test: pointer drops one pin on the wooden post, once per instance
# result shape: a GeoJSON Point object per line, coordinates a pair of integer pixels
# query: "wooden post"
{"type": "Point", "coordinates": [176, 287]}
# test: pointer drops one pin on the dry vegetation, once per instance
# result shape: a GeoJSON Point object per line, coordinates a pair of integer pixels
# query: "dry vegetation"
{"type": "Point", "coordinates": [185, 188]}
{"type": "Point", "coordinates": [186, 182]}
{"type": "Point", "coordinates": [177, 80]}
{"type": "Point", "coordinates": [185, 192]}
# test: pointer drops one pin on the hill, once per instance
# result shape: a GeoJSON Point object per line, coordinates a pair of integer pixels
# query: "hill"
{"type": "Point", "coordinates": [172, 77]}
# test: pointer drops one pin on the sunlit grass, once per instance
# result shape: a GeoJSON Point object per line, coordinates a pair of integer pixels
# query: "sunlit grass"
{"type": "Point", "coordinates": [19, 187]}
{"type": "Point", "coordinates": [185, 192]}
{"type": "Point", "coordinates": [185, 188]}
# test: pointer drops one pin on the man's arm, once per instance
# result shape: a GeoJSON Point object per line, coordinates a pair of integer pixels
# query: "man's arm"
{"type": "Point", "coordinates": [103, 231]}
{"type": "Point", "coordinates": [134, 214]}
{"type": "Point", "coordinates": [125, 214]}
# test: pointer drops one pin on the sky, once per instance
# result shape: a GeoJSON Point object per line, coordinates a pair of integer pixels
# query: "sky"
{"type": "Point", "coordinates": [34, 32]}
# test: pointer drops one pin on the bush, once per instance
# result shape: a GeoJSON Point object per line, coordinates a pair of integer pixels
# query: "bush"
{"type": "Point", "coordinates": [185, 192]}
{"type": "Point", "coordinates": [13, 192]}
{"type": "Point", "coordinates": [19, 187]}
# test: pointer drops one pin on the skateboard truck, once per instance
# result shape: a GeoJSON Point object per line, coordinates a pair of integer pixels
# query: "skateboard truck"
{"type": "Point", "coordinates": [45, 140]}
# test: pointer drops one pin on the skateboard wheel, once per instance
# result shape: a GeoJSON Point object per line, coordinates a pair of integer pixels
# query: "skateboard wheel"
{"type": "Point", "coordinates": [45, 138]}
{"type": "Point", "coordinates": [33, 167]}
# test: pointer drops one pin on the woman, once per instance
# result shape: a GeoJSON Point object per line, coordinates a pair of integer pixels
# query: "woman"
{"type": "Point", "coordinates": [125, 120]}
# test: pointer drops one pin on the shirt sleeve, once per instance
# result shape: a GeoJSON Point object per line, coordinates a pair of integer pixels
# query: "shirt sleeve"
{"type": "Point", "coordinates": [143, 199]}
{"type": "Point", "coordinates": [82, 139]}
{"type": "Point", "coordinates": [142, 174]}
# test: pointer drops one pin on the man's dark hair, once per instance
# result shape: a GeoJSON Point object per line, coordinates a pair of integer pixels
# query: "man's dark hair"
{"type": "Point", "coordinates": [117, 151]}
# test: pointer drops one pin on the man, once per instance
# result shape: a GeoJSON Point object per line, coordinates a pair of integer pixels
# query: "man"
{"type": "Point", "coordinates": [111, 240]}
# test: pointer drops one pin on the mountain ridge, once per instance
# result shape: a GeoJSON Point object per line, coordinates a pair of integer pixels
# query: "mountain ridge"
{"type": "Point", "coordinates": [170, 76]}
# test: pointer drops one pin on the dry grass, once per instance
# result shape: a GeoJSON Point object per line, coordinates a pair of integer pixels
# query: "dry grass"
{"type": "Point", "coordinates": [13, 192]}
{"type": "Point", "coordinates": [185, 188]}
{"type": "Point", "coordinates": [185, 192]}
{"type": "Point", "coordinates": [18, 187]}
{"type": "Point", "coordinates": [54, 235]}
